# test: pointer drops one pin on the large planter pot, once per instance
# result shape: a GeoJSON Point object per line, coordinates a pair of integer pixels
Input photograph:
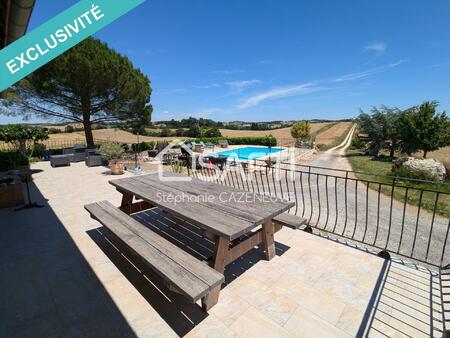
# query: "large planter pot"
{"type": "Point", "coordinates": [11, 195]}
{"type": "Point", "coordinates": [116, 168]}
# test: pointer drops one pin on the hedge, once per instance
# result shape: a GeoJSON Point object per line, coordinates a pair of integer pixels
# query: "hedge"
{"type": "Point", "coordinates": [250, 140]}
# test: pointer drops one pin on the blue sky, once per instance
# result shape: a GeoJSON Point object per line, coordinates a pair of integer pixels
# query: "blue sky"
{"type": "Point", "coordinates": [270, 60]}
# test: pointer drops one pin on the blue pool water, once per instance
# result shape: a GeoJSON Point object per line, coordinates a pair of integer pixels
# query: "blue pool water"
{"type": "Point", "coordinates": [252, 153]}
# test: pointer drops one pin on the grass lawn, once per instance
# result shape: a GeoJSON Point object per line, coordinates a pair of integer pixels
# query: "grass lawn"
{"type": "Point", "coordinates": [382, 166]}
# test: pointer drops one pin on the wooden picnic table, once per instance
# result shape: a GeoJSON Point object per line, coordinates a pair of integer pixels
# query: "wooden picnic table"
{"type": "Point", "coordinates": [228, 216]}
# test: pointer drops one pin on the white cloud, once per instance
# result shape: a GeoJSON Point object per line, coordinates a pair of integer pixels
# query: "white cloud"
{"type": "Point", "coordinates": [377, 47]}
{"type": "Point", "coordinates": [366, 73]}
{"type": "Point", "coordinates": [238, 86]}
{"type": "Point", "coordinates": [314, 86]}
{"type": "Point", "coordinates": [207, 86]}
{"type": "Point", "coordinates": [276, 93]}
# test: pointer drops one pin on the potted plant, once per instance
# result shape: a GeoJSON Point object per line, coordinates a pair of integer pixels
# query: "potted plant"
{"type": "Point", "coordinates": [112, 152]}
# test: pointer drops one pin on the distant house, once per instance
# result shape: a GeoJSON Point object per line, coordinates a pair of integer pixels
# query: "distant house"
{"type": "Point", "coordinates": [363, 137]}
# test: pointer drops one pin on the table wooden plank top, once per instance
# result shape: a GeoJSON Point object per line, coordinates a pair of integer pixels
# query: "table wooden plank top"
{"type": "Point", "coordinates": [219, 209]}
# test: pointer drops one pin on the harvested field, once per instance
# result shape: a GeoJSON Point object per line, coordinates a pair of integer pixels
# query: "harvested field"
{"type": "Point", "coordinates": [282, 135]}
{"type": "Point", "coordinates": [326, 132]}
{"type": "Point", "coordinates": [122, 136]}
{"type": "Point", "coordinates": [117, 135]}
{"type": "Point", "coordinates": [442, 155]}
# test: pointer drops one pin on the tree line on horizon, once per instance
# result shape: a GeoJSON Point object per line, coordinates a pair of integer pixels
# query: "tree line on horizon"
{"type": "Point", "coordinates": [419, 128]}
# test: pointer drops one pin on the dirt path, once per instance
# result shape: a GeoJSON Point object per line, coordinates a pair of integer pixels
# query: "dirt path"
{"type": "Point", "coordinates": [330, 136]}
{"type": "Point", "coordinates": [335, 157]}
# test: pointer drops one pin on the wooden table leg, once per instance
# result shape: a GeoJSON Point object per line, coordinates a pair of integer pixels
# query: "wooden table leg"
{"type": "Point", "coordinates": [220, 257]}
{"type": "Point", "coordinates": [268, 230]}
{"type": "Point", "coordinates": [127, 200]}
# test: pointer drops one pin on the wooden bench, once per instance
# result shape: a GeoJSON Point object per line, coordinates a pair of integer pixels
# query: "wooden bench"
{"type": "Point", "coordinates": [288, 220]}
{"type": "Point", "coordinates": [182, 272]}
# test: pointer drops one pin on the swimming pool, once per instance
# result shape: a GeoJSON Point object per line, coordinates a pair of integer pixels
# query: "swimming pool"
{"type": "Point", "coordinates": [249, 153]}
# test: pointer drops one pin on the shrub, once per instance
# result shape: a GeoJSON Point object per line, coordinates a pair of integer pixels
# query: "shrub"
{"type": "Point", "coordinates": [212, 132]}
{"type": "Point", "coordinates": [194, 131]}
{"type": "Point", "coordinates": [13, 159]}
{"type": "Point", "coordinates": [69, 129]}
{"type": "Point", "coordinates": [177, 167]}
{"type": "Point", "coordinates": [179, 132]}
{"type": "Point", "coordinates": [143, 146]}
{"type": "Point", "coordinates": [38, 150]}
{"type": "Point", "coordinates": [138, 129]}
{"type": "Point", "coordinates": [357, 143]}
{"type": "Point", "coordinates": [54, 131]}
{"type": "Point", "coordinates": [111, 151]}
{"type": "Point", "coordinates": [165, 132]}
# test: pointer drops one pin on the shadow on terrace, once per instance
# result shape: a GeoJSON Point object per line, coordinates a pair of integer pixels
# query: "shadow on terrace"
{"type": "Point", "coordinates": [47, 288]}
{"type": "Point", "coordinates": [181, 315]}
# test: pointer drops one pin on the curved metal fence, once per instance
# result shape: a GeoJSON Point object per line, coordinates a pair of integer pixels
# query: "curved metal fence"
{"type": "Point", "coordinates": [399, 218]}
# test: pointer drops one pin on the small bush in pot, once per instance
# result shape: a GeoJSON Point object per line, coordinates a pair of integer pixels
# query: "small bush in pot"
{"type": "Point", "coordinates": [112, 152]}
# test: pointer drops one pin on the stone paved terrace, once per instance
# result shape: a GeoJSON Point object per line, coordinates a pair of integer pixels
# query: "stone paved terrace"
{"type": "Point", "coordinates": [63, 276]}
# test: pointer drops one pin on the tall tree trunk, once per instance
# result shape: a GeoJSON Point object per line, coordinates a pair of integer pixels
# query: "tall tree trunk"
{"type": "Point", "coordinates": [391, 152]}
{"type": "Point", "coordinates": [88, 133]}
{"type": "Point", "coordinates": [425, 153]}
{"type": "Point", "coordinates": [87, 124]}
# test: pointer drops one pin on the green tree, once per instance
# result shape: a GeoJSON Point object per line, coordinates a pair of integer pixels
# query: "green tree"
{"type": "Point", "coordinates": [422, 128]}
{"type": "Point", "coordinates": [254, 126]}
{"type": "Point", "coordinates": [21, 135]}
{"type": "Point", "coordinates": [212, 132]}
{"type": "Point", "coordinates": [194, 131]}
{"type": "Point", "coordinates": [382, 127]}
{"type": "Point", "coordinates": [300, 131]}
{"type": "Point", "coordinates": [90, 83]}
{"type": "Point", "coordinates": [165, 132]}
{"type": "Point", "coordinates": [179, 132]}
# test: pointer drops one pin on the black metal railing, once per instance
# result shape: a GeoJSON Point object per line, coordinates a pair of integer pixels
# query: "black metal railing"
{"type": "Point", "coordinates": [396, 218]}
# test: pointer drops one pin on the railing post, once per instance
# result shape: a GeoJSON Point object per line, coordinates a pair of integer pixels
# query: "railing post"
{"type": "Point", "coordinates": [308, 229]}
{"type": "Point", "coordinates": [384, 254]}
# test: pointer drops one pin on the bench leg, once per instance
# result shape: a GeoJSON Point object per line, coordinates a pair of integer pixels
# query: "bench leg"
{"type": "Point", "coordinates": [220, 257]}
{"type": "Point", "coordinates": [268, 230]}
